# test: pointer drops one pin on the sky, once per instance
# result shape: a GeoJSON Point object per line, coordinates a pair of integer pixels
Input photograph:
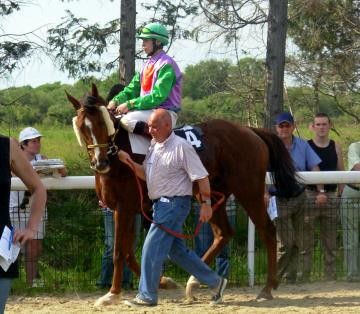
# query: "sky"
{"type": "Point", "coordinates": [48, 13]}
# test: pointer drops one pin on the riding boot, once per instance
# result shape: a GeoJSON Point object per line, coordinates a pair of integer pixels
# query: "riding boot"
{"type": "Point", "coordinates": [142, 128]}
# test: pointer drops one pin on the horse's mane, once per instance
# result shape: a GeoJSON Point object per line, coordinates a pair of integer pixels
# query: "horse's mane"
{"type": "Point", "coordinates": [91, 102]}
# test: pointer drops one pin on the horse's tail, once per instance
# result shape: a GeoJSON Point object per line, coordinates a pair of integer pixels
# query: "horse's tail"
{"type": "Point", "coordinates": [281, 165]}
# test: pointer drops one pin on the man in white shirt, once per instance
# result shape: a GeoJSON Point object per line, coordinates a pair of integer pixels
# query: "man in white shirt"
{"type": "Point", "coordinates": [170, 168]}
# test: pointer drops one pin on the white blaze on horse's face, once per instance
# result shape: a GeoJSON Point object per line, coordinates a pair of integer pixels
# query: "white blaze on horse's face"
{"type": "Point", "coordinates": [96, 164]}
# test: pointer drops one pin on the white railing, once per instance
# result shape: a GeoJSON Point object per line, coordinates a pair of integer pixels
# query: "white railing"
{"type": "Point", "coordinates": [311, 177]}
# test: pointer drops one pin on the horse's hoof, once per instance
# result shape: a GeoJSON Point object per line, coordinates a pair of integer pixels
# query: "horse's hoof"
{"type": "Point", "coordinates": [168, 283]}
{"type": "Point", "coordinates": [191, 285]}
{"type": "Point", "coordinates": [107, 299]}
{"type": "Point", "coordinates": [264, 295]}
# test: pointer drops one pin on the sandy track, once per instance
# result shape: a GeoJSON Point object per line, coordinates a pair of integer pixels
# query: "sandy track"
{"type": "Point", "coordinates": [328, 297]}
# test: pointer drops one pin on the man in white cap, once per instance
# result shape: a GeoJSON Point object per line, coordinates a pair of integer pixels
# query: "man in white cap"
{"type": "Point", "coordinates": [30, 143]}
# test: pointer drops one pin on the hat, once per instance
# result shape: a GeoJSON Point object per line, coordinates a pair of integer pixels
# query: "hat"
{"type": "Point", "coordinates": [28, 134]}
{"type": "Point", "coordinates": [284, 117]}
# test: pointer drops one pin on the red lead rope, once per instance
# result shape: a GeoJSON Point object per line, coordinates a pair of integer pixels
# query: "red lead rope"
{"type": "Point", "coordinates": [214, 194]}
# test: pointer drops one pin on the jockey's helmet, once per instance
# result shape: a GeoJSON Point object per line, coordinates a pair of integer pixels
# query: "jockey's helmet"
{"type": "Point", "coordinates": [154, 31]}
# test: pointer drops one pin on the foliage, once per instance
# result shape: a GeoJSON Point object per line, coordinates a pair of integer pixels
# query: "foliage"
{"type": "Point", "coordinates": [16, 48]}
{"type": "Point", "coordinates": [205, 78]}
{"type": "Point", "coordinates": [78, 46]}
{"type": "Point", "coordinates": [329, 58]}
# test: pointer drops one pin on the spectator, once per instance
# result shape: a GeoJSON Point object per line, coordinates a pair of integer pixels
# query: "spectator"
{"type": "Point", "coordinates": [169, 169]}
{"type": "Point", "coordinates": [107, 264]}
{"type": "Point", "coordinates": [30, 143]}
{"type": "Point", "coordinates": [331, 160]}
{"type": "Point", "coordinates": [12, 159]}
{"type": "Point", "coordinates": [350, 217]}
{"type": "Point", "coordinates": [205, 239]}
{"type": "Point", "coordinates": [158, 85]}
{"type": "Point", "coordinates": [291, 210]}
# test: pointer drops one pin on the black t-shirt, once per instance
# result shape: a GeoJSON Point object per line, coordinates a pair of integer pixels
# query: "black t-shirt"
{"type": "Point", "coordinates": [329, 160]}
{"type": "Point", "coordinates": [5, 184]}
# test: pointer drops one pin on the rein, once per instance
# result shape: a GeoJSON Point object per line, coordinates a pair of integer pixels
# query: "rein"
{"type": "Point", "coordinates": [168, 230]}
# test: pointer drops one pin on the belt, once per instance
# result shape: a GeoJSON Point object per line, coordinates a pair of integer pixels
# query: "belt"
{"type": "Point", "coordinates": [351, 186]}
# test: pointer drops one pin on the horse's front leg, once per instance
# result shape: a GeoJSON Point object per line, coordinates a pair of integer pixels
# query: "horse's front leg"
{"type": "Point", "coordinates": [222, 233]}
{"type": "Point", "coordinates": [120, 251]}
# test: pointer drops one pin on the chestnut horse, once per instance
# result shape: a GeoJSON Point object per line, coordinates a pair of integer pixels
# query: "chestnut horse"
{"type": "Point", "coordinates": [236, 158]}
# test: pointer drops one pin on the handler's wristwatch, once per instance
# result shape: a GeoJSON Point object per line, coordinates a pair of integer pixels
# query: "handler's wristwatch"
{"type": "Point", "coordinates": [207, 202]}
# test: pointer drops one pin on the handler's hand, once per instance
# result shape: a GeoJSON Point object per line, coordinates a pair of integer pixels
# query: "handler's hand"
{"type": "Point", "coordinates": [122, 109]}
{"type": "Point", "coordinates": [205, 212]}
{"type": "Point", "coordinates": [321, 199]}
{"type": "Point", "coordinates": [125, 158]}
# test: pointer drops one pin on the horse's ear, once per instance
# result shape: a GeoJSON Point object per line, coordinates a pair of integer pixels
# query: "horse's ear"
{"type": "Point", "coordinates": [73, 100]}
{"type": "Point", "coordinates": [94, 90]}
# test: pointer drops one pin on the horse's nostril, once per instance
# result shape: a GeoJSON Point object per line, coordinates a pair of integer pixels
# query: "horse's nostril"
{"type": "Point", "coordinates": [102, 164]}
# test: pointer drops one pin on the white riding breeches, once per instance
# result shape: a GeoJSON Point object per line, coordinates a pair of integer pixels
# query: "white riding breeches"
{"type": "Point", "coordinates": [129, 120]}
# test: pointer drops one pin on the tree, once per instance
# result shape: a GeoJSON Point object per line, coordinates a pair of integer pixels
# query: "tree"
{"type": "Point", "coordinates": [78, 45]}
{"type": "Point", "coordinates": [205, 78]}
{"type": "Point", "coordinates": [329, 57]}
{"type": "Point", "coordinates": [275, 60]}
{"type": "Point", "coordinates": [15, 48]}
{"type": "Point", "coordinates": [232, 15]}
{"type": "Point", "coordinates": [127, 41]}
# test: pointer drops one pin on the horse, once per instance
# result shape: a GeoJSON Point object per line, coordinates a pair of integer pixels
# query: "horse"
{"type": "Point", "coordinates": [236, 158]}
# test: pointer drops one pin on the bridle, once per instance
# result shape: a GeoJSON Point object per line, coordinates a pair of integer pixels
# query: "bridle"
{"type": "Point", "coordinates": [112, 148]}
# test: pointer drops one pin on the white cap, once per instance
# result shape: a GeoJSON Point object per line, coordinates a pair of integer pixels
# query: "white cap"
{"type": "Point", "coordinates": [28, 134]}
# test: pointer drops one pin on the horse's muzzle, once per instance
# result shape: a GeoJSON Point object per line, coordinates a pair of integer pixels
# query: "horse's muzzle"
{"type": "Point", "coordinates": [101, 166]}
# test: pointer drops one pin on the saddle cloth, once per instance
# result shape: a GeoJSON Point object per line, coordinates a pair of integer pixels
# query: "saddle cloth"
{"type": "Point", "coordinates": [140, 144]}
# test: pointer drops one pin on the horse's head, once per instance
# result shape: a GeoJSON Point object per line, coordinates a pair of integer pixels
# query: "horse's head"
{"type": "Point", "coordinates": [94, 128]}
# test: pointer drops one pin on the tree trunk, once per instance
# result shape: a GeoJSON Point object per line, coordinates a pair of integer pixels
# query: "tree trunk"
{"type": "Point", "coordinates": [275, 60]}
{"type": "Point", "coordinates": [127, 41]}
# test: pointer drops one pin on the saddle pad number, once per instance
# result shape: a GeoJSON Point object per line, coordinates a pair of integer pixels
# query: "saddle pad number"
{"type": "Point", "coordinates": [192, 135]}
{"type": "Point", "coordinates": [192, 138]}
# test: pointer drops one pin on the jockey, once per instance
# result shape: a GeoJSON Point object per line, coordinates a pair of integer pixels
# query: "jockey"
{"type": "Point", "coordinates": [158, 85]}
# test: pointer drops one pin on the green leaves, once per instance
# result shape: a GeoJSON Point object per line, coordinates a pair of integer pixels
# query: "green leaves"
{"type": "Point", "coordinates": [77, 45]}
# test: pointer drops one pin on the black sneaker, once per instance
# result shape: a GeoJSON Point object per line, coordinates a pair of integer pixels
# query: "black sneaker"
{"type": "Point", "coordinates": [136, 302]}
{"type": "Point", "coordinates": [219, 292]}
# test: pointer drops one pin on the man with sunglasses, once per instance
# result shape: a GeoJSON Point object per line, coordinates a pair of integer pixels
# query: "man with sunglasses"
{"type": "Point", "coordinates": [157, 85]}
{"type": "Point", "coordinates": [289, 224]}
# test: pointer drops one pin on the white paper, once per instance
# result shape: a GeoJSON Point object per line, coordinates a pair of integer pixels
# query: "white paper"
{"type": "Point", "coordinates": [272, 208]}
{"type": "Point", "coordinates": [8, 250]}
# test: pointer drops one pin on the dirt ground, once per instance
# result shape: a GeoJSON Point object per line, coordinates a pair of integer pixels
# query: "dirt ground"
{"type": "Point", "coordinates": [324, 297]}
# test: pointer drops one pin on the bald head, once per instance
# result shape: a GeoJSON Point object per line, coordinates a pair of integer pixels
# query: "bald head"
{"type": "Point", "coordinates": [160, 125]}
{"type": "Point", "coordinates": [161, 116]}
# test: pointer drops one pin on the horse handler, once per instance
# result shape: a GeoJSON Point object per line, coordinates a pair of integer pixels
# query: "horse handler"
{"type": "Point", "coordinates": [169, 169]}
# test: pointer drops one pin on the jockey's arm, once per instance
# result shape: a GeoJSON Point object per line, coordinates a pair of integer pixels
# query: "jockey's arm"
{"type": "Point", "coordinates": [131, 91]}
{"type": "Point", "coordinates": [160, 92]}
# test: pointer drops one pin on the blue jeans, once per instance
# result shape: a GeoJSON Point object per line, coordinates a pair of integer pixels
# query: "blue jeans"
{"type": "Point", "coordinates": [159, 244]}
{"type": "Point", "coordinates": [5, 287]}
{"type": "Point", "coordinates": [205, 239]}
{"type": "Point", "coordinates": [107, 265]}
